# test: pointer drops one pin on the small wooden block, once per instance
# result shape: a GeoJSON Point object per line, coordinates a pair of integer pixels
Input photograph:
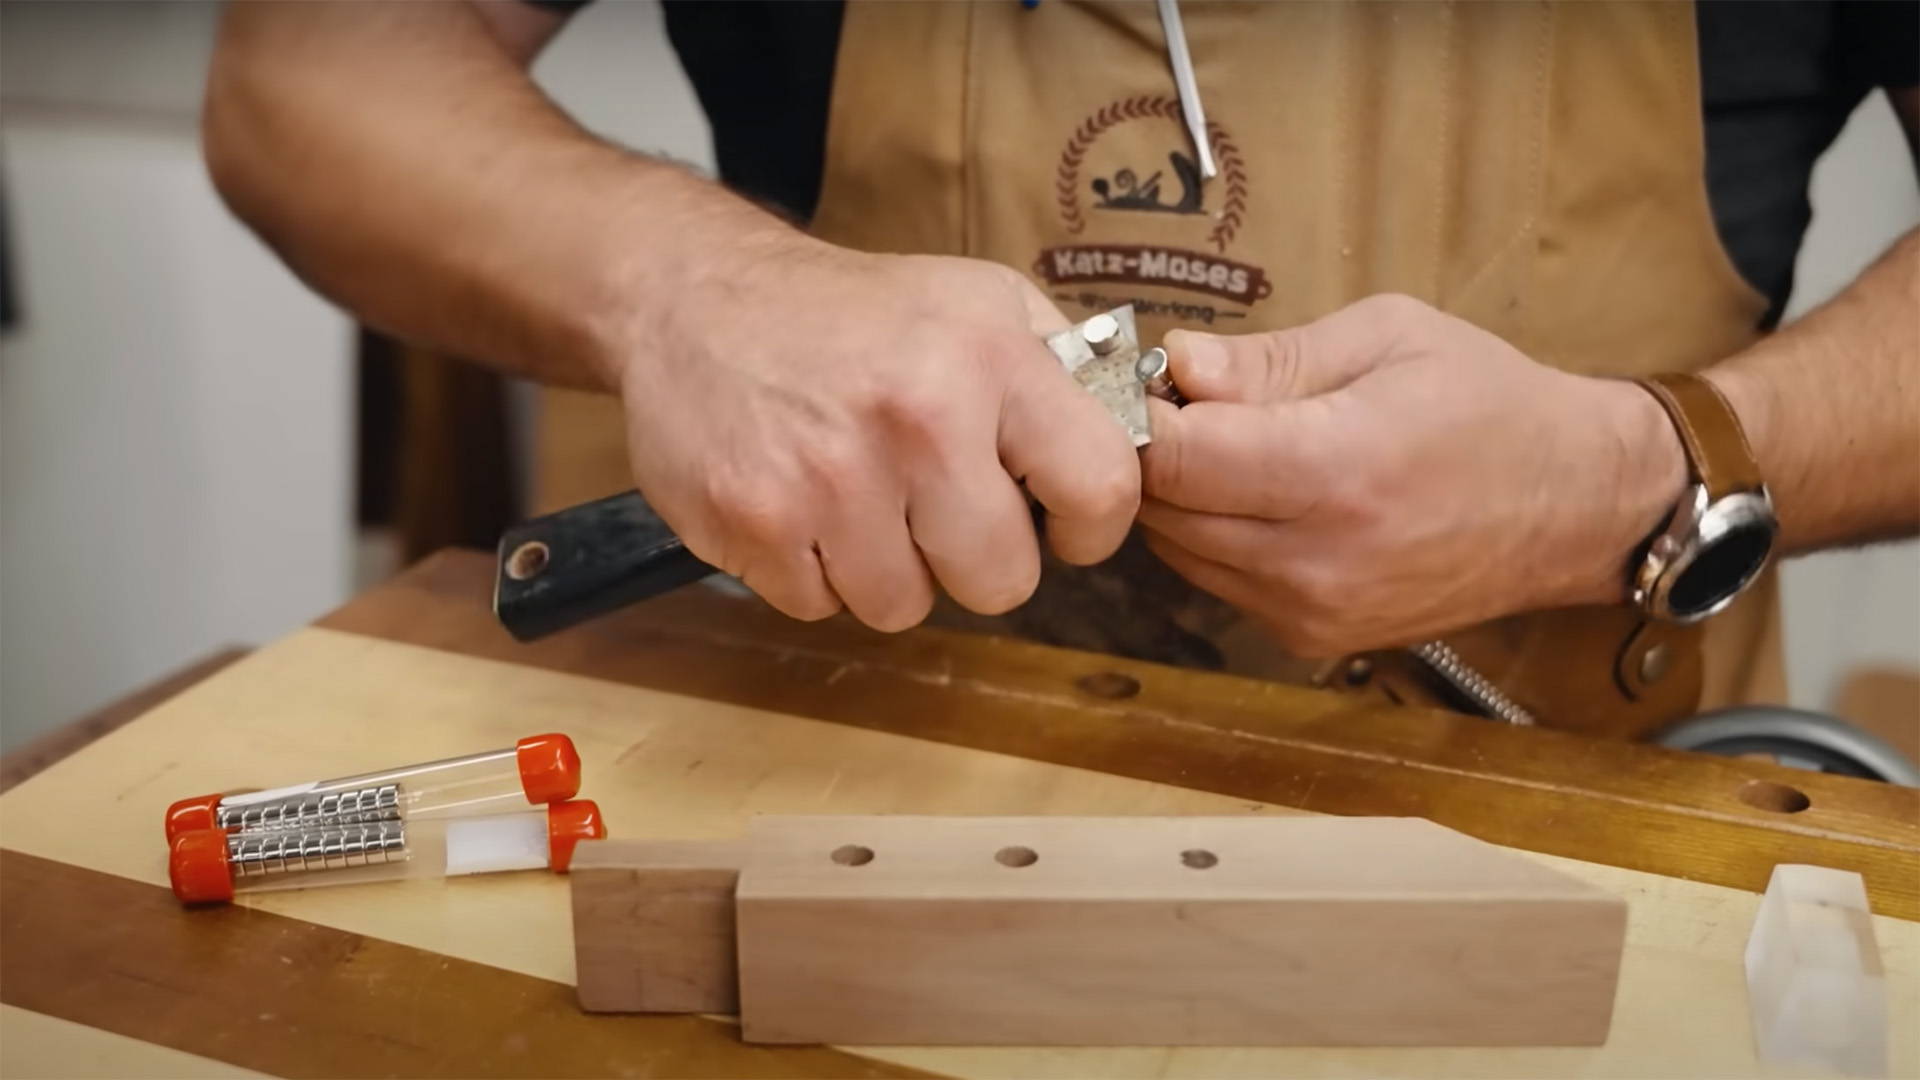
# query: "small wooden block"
{"type": "Point", "coordinates": [1815, 982]}
{"type": "Point", "coordinates": [1165, 931]}
{"type": "Point", "coordinates": [653, 926]}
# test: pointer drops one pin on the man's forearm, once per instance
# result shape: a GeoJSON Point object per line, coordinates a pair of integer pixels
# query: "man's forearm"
{"type": "Point", "coordinates": [406, 166]}
{"type": "Point", "coordinates": [1831, 405]}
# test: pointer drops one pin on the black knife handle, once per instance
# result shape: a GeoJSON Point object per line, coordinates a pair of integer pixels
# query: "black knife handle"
{"type": "Point", "coordinates": [570, 566]}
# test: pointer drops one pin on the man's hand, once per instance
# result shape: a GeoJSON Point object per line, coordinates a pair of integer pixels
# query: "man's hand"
{"type": "Point", "coordinates": [832, 427]}
{"type": "Point", "coordinates": [835, 427]}
{"type": "Point", "coordinates": [1390, 472]}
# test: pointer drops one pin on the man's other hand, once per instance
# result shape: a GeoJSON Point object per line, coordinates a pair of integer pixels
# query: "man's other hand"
{"type": "Point", "coordinates": [1390, 472]}
{"type": "Point", "coordinates": [838, 428]}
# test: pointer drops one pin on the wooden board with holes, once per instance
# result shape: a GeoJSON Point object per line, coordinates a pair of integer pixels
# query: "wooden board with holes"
{"type": "Point", "coordinates": [692, 718]}
{"type": "Point", "coordinates": [1164, 931]}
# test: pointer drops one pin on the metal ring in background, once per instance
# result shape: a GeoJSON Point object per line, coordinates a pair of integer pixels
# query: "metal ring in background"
{"type": "Point", "coordinates": [1797, 738]}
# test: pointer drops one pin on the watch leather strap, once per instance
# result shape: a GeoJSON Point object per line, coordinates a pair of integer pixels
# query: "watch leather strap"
{"type": "Point", "coordinates": [1716, 445]}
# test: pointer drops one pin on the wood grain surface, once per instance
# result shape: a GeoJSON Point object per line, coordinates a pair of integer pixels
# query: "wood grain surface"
{"type": "Point", "coordinates": [1649, 808]}
{"type": "Point", "coordinates": [324, 703]}
{"type": "Point", "coordinates": [765, 716]}
{"type": "Point", "coordinates": [653, 926]}
{"type": "Point", "coordinates": [35, 1046]}
{"type": "Point", "coordinates": [77, 734]}
{"type": "Point", "coordinates": [291, 998]}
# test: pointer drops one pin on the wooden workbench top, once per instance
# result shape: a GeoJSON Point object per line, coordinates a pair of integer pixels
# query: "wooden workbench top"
{"type": "Point", "coordinates": [695, 712]}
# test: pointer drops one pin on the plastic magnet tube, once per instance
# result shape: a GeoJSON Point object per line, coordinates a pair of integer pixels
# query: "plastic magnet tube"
{"type": "Point", "coordinates": [213, 865]}
{"type": "Point", "coordinates": [538, 769]}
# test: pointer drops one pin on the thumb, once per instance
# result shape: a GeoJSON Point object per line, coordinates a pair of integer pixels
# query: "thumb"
{"type": "Point", "coordinates": [1281, 365]}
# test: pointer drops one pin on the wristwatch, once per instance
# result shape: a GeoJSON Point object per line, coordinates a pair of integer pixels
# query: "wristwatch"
{"type": "Point", "coordinates": [1722, 531]}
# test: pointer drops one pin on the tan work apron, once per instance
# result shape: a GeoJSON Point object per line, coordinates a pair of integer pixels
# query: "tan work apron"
{"type": "Point", "coordinates": [1536, 169]}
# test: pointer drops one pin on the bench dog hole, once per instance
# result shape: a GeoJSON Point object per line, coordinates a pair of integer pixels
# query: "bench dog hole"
{"type": "Point", "coordinates": [1772, 797]}
{"type": "Point", "coordinates": [852, 855]}
{"type": "Point", "coordinates": [1109, 684]}
{"type": "Point", "coordinates": [1016, 856]}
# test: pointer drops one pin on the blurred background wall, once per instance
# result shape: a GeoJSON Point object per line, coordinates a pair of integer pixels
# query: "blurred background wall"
{"type": "Point", "coordinates": [173, 404]}
{"type": "Point", "coordinates": [178, 414]}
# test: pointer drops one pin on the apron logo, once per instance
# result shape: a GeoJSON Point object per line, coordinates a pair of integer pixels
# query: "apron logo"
{"type": "Point", "coordinates": [1132, 263]}
{"type": "Point", "coordinates": [1121, 189]}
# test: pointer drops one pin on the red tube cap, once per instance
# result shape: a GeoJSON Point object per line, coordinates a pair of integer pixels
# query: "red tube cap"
{"type": "Point", "coordinates": [199, 812]}
{"type": "Point", "coordinates": [197, 866]}
{"type": "Point", "coordinates": [549, 768]}
{"type": "Point", "coordinates": [568, 823]}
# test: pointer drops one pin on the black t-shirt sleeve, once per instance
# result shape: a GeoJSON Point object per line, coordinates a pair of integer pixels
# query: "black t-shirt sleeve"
{"type": "Point", "coordinates": [763, 72]}
{"type": "Point", "coordinates": [1878, 42]}
{"type": "Point", "coordinates": [764, 75]}
{"type": "Point", "coordinates": [1778, 80]}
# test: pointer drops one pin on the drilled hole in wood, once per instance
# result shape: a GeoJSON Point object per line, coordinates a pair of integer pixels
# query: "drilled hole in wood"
{"type": "Point", "coordinates": [527, 560]}
{"type": "Point", "coordinates": [1016, 856]}
{"type": "Point", "coordinates": [1109, 684]}
{"type": "Point", "coordinates": [1772, 797]}
{"type": "Point", "coordinates": [1198, 859]}
{"type": "Point", "coordinates": [853, 855]}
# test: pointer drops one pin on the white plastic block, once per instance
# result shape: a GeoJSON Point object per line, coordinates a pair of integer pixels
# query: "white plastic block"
{"type": "Point", "coordinates": [485, 845]}
{"type": "Point", "coordinates": [1814, 977]}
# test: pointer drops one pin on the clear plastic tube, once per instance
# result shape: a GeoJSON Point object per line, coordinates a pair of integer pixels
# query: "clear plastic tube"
{"type": "Point", "coordinates": [538, 769]}
{"type": "Point", "coordinates": [212, 865]}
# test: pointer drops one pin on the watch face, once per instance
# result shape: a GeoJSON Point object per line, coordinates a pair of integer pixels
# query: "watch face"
{"type": "Point", "coordinates": [1721, 569]}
